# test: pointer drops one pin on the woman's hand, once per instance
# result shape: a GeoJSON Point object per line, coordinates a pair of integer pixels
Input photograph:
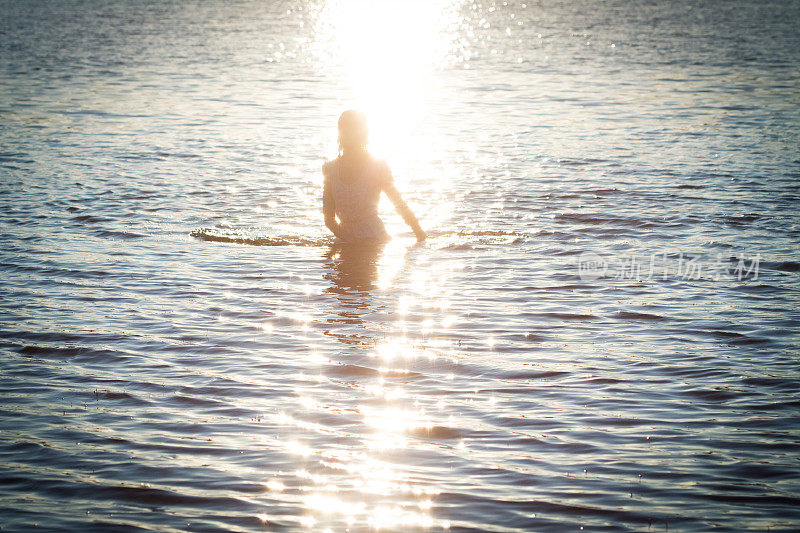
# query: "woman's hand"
{"type": "Point", "coordinates": [408, 215]}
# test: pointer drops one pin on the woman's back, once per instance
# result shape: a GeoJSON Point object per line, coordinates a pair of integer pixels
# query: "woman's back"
{"type": "Point", "coordinates": [355, 186]}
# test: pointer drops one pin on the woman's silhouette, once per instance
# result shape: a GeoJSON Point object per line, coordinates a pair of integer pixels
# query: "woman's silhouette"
{"type": "Point", "coordinates": [353, 185]}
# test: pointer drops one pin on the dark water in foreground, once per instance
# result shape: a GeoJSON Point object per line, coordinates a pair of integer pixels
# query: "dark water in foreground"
{"type": "Point", "coordinates": [601, 333]}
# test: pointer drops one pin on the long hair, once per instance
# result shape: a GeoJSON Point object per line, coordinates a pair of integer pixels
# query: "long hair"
{"type": "Point", "coordinates": [353, 133]}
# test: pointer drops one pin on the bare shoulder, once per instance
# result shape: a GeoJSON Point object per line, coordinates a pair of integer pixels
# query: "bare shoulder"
{"type": "Point", "coordinates": [328, 167]}
{"type": "Point", "coordinates": [379, 163]}
{"type": "Point", "coordinates": [382, 170]}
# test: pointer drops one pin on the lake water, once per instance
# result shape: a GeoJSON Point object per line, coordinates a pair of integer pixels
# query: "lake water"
{"type": "Point", "coordinates": [601, 333]}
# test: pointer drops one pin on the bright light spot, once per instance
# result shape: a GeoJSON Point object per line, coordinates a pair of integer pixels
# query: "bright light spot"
{"type": "Point", "coordinates": [390, 263]}
{"type": "Point", "coordinates": [388, 68]}
{"type": "Point", "coordinates": [386, 441]}
{"type": "Point", "coordinates": [384, 517]}
{"type": "Point", "coordinates": [404, 304]}
{"type": "Point", "coordinates": [307, 402]}
{"type": "Point", "coordinates": [275, 486]}
{"type": "Point", "coordinates": [326, 504]}
{"type": "Point", "coordinates": [288, 420]}
{"type": "Point", "coordinates": [317, 358]}
{"type": "Point", "coordinates": [307, 521]}
{"type": "Point", "coordinates": [395, 420]}
{"type": "Point", "coordinates": [296, 448]}
{"type": "Point", "coordinates": [294, 317]}
{"type": "Point", "coordinates": [395, 394]}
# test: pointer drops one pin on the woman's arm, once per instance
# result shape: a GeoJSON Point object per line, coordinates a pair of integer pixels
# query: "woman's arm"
{"type": "Point", "coordinates": [405, 212]}
{"type": "Point", "coordinates": [329, 208]}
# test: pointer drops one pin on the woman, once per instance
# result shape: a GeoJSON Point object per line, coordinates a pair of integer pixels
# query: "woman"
{"type": "Point", "coordinates": [353, 185]}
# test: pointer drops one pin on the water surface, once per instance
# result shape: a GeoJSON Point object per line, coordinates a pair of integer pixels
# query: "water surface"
{"type": "Point", "coordinates": [601, 332]}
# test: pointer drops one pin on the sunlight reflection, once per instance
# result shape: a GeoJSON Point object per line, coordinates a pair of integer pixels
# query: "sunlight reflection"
{"type": "Point", "coordinates": [388, 394]}
{"type": "Point", "coordinates": [370, 477]}
{"type": "Point", "coordinates": [388, 51]}
{"type": "Point", "coordinates": [275, 485]}
{"type": "Point", "coordinates": [330, 504]}
{"type": "Point", "coordinates": [390, 263]}
{"type": "Point", "coordinates": [391, 350]}
{"type": "Point", "coordinates": [386, 517]}
{"type": "Point", "coordinates": [405, 302]}
{"type": "Point", "coordinates": [381, 517]}
{"type": "Point", "coordinates": [297, 448]}
{"type": "Point", "coordinates": [393, 420]}
{"type": "Point", "coordinates": [307, 521]}
{"type": "Point", "coordinates": [288, 420]}
{"type": "Point", "coordinates": [383, 57]}
{"type": "Point", "coordinates": [385, 441]}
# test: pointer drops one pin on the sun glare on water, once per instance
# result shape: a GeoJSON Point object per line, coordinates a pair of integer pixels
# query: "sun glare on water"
{"type": "Point", "coordinates": [388, 53]}
{"type": "Point", "coordinates": [385, 59]}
